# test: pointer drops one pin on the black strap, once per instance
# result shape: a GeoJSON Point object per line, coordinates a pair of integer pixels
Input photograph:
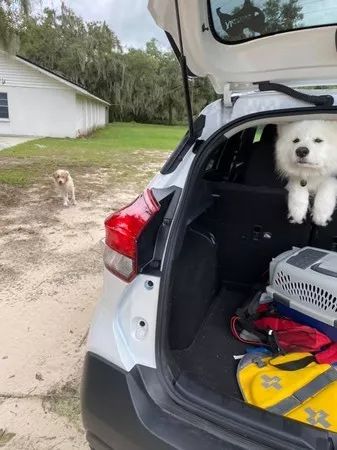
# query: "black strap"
{"type": "Point", "coordinates": [265, 338]}
{"type": "Point", "coordinates": [246, 317]}
{"type": "Point", "coordinates": [247, 324]}
{"type": "Point", "coordinates": [249, 309]}
{"type": "Point", "coordinates": [317, 100]}
{"type": "Point", "coordinates": [294, 365]}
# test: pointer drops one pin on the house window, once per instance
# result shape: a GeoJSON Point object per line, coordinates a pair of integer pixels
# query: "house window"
{"type": "Point", "coordinates": [4, 114]}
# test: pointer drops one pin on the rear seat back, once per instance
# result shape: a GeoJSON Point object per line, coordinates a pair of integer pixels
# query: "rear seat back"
{"type": "Point", "coordinates": [260, 174]}
{"type": "Point", "coordinates": [250, 220]}
{"type": "Point", "coordinates": [326, 237]}
{"type": "Point", "coordinates": [240, 156]}
{"type": "Point", "coordinates": [251, 227]}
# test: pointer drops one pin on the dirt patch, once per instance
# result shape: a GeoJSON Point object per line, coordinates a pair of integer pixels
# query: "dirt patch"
{"type": "Point", "coordinates": [9, 195]}
{"type": "Point", "coordinates": [65, 402]}
{"type": "Point", "coordinates": [5, 437]}
{"type": "Point", "coordinates": [34, 428]}
{"type": "Point", "coordinates": [50, 276]}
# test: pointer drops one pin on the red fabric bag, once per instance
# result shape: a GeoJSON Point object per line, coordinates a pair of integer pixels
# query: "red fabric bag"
{"type": "Point", "coordinates": [290, 336]}
{"type": "Point", "coordinates": [265, 327]}
{"type": "Point", "coordinates": [328, 356]}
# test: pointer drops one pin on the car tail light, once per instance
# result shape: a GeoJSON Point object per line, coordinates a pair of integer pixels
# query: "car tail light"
{"type": "Point", "coordinates": [122, 231]}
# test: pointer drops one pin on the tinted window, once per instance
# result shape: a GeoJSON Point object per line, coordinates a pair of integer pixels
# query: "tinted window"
{"type": "Point", "coordinates": [4, 105]}
{"type": "Point", "coordinates": [239, 20]}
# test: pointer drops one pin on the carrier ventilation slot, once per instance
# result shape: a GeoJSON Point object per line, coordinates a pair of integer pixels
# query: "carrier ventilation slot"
{"type": "Point", "coordinates": [306, 292]}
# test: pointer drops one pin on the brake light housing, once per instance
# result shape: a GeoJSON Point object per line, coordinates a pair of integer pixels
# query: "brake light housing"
{"type": "Point", "coordinates": [122, 231]}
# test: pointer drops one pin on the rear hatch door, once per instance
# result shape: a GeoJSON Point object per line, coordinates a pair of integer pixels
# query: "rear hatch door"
{"type": "Point", "coordinates": [240, 42]}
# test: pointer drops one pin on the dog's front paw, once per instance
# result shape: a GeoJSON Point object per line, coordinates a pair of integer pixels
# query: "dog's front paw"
{"type": "Point", "coordinates": [66, 204]}
{"type": "Point", "coordinates": [74, 202]}
{"type": "Point", "coordinates": [320, 219]}
{"type": "Point", "coordinates": [296, 218]}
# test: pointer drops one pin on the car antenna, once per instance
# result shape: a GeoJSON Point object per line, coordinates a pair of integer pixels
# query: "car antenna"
{"type": "Point", "coordinates": [184, 73]}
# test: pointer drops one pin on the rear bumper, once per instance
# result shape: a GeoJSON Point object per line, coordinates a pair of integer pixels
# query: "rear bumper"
{"type": "Point", "coordinates": [108, 411]}
{"type": "Point", "coordinates": [119, 414]}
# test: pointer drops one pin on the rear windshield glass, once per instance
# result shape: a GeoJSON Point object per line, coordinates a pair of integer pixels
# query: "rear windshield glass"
{"type": "Point", "coordinates": [239, 20]}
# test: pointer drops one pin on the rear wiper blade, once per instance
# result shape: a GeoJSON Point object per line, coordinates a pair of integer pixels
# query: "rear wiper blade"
{"type": "Point", "coordinates": [317, 100]}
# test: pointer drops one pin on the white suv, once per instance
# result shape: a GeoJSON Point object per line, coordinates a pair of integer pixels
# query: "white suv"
{"type": "Point", "coordinates": [160, 372]}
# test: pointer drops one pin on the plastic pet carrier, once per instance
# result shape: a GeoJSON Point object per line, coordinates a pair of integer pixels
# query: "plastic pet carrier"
{"type": "Point", "coordinates": [303, 284]}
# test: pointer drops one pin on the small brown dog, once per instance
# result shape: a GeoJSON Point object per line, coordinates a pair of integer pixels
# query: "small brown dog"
{"type": "Point", "coordinates": [65, 186]}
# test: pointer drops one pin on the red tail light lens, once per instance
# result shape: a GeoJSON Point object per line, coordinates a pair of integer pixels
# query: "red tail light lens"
{"type": "Point", "coordinates": [122, 230]}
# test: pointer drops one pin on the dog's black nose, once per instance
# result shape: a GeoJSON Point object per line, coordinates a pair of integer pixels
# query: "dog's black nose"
{"type": "Point", "coordinates": [302, 152]}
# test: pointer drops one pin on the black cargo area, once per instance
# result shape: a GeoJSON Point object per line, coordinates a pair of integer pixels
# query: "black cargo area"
{"type": "Point", "coordinates": [237, 223]}
{"type": "Point", "coordinates": [209, 359]}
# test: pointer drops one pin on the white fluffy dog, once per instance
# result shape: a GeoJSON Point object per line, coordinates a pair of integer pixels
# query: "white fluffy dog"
{"type": "Point", "coordinates": [65, 186]}
{"type": "Point", "coordinates": [306, 154]}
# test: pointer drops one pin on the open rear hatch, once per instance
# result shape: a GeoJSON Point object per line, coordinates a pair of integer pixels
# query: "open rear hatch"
{"type": "Point", "coordinates": [241, 42]}
{"type": "Point", "coordinates": [236, 43]}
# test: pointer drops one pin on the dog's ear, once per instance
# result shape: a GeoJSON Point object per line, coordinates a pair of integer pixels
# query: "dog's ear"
{"type": "Point", "coordinates": [55, 175]}
{"type": "Point", "coordinates": [67, 174]}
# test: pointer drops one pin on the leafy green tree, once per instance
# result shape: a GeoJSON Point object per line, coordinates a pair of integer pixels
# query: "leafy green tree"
{"type": "Point", "coordinates": [11, 12]}
{"type": "Point", "coordinates": [141, 85]}
{"type": "Point", "coordinates": [65, 43]}
{"type": "Point", "coordinates": [279, 15]}
{"type": "Point", "coordinates": [282, 15]}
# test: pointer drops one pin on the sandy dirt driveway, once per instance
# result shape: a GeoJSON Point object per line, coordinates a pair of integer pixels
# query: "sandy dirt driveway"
{"type": "Point", "coordinates": [50, 278]}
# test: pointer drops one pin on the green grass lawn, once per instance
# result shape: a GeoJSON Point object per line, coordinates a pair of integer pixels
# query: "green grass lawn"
{"type": "Point", "coordinates": [112, 146]}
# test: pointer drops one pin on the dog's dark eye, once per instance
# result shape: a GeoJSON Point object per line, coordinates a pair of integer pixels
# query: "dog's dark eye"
{"type": "Point", "coordinates": [296, 141]}
{"type": "Point", "coordinates": [318, 140]}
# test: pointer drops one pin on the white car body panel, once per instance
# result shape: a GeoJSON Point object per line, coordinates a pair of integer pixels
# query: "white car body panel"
{"type": "Point", "coordinates": [138, 303]}
{"type": "Point", "coordinates": [259, 102]}
{"type": "Point", "coordinates": [176, 178]}
{"type": "Point", "coordinates": [216, 115]}
{"type": "Point", "coordinates": [113, 333]}
{"type": "Point", "coordinates": [101, 339]}
{"type": "Point", "coordinates": [296, 56]}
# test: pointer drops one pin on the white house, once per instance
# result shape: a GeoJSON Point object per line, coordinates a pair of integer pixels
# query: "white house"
{"type": "Point", "coordinates": [37, 102]}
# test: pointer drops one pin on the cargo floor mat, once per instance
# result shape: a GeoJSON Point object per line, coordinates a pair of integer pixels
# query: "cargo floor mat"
{"type": "Point", "coordinates": [209, 360]}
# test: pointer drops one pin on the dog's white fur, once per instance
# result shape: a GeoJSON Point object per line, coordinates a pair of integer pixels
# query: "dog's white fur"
{"type": "Point", "coordinates": [65, 186]}
{"type": "Point", "coordinates": [318, 168]}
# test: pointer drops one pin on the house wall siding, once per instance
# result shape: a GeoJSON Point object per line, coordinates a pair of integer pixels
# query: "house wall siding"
{"type": "Point", "coordinates": [17, 73]}
{"type": "Point", "coordinates": [39, 112]}
{"type": "Point", "coordinates": [42, 106]}
{"type": "Point", "coordinates": [90, 115]}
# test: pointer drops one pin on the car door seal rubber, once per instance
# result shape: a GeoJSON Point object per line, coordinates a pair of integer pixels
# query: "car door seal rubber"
{"type": "Point", "coordinates": [178, 155]}
{"type": "Point", "coordinates": [317, 100]}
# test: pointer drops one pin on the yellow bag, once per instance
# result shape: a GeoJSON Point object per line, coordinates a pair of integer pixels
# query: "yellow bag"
{"type": "Point", "coordinates": [307, 394]}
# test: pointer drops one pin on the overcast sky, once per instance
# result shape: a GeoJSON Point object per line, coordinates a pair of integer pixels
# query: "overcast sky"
{"type": "Point", "coordinates": [134, 26]}
{"type": "Point", "coordinates": [130, 19]}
